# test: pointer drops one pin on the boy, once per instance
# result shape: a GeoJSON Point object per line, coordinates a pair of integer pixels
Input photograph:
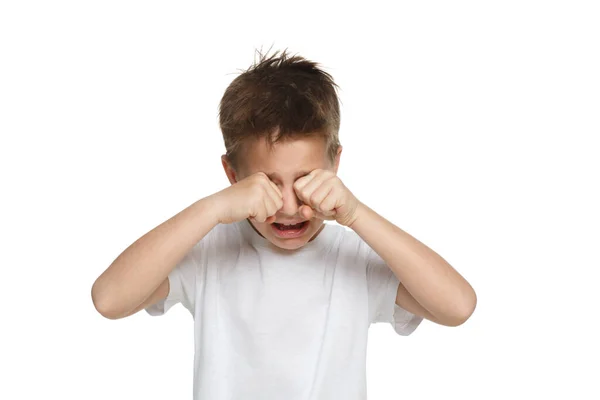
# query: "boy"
{"type": "Point", "coordinates": [281, 301]}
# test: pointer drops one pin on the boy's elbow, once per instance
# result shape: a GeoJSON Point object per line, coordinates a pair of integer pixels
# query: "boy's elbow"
{"type": "Point", "coordinates": [102, 304]}
{"type": "Point", "coordinates": [106, 313]}
{"type": "Point", "coordinates": [464, 312]}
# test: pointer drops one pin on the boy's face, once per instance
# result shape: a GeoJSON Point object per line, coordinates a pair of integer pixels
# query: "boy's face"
{"type": "Point", "coordinates": [286, 162]}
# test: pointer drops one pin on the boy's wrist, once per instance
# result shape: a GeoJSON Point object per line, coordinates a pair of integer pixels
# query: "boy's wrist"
{"type": "Point", "coordinates": [210, 209]}
{"type": "Point", "coordinates": [359, 215]}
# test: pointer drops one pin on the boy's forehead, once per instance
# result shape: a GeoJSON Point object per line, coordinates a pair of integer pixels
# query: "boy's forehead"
{"type": "Point", "coordinates": [290, 158]}
{"type": "Point", "coordinates": [274, 176]}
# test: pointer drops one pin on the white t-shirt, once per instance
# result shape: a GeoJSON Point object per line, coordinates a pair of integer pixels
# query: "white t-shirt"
{"type": "Point", "coordinates": [273, 325]}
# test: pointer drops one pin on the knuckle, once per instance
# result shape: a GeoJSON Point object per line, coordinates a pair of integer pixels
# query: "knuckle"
{"type": "Point", "coordinates": [260, 178]}
{"type": "Point", "coordinates": [278, 203]}
{"type": "Point", "coordinates": [313, 198]}
{"type": "Point", "coordinates": [264, 178]}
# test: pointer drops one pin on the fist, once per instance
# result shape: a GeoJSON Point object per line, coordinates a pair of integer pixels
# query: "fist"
{"type": "Point", "coordinates": [255, 197]}
{"type": "Point", "coordinates": [325, 197]}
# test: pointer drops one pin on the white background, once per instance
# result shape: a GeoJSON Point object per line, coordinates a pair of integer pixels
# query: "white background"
{"type": "Point", "coordinates": [471, 125]}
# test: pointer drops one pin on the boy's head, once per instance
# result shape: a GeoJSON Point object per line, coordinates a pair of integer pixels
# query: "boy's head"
{"type": "Point", "coordinates": [281, 117]}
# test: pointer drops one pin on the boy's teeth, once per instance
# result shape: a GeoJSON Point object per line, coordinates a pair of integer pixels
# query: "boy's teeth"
{"type": "Point", "coordinates": [289, 225]}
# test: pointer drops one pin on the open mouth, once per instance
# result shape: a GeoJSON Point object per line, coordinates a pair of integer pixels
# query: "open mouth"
{"type": "Point", "coordinates": [283, 227]}
{"type": "Point", "coordinates": [290, 231]}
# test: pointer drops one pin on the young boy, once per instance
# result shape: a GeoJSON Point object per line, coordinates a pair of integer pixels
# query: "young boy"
{"type": "Point", "coordinates": [282, 301]}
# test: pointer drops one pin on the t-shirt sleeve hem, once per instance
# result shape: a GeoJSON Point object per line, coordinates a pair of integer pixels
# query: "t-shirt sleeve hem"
{"type": "Point", "coordinates": [403, 321]}
{"type": "Point", "coordinates": [161, 307]}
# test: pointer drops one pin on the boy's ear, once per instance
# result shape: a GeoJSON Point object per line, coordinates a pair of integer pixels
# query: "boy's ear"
{"type": "Point", "coordinates": [229, 171]}
{"type": "Point", "coordinates": [337, 159]}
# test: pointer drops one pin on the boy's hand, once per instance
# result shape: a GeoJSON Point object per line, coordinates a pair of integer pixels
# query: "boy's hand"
{"type": "Point", "coordinates": [326, 197]}
{"type": "Point", "coordinates": [255, 197]}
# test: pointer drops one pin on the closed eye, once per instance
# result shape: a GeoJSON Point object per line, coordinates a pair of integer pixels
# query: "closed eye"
{"type": "Point", "coordinates": [275, 178]}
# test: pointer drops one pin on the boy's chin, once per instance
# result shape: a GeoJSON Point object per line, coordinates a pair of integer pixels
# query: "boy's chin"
{"type": "Point", "coordinates": [267, 231]}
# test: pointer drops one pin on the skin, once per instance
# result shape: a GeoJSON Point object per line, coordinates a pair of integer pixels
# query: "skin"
{"type": "Point", "coordinates": [303, 185]}
{"type": "Point", "coordinates": [311, 190]}
{"type": "Point", "coordinates": [285, 164]}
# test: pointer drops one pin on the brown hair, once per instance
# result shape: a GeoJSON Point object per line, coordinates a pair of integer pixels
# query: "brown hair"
{"type": "Point", "coordinates": [279, 98]}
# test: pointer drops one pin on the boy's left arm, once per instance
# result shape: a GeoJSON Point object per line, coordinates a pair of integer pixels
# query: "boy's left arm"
{"type": "Point", "coordinates": [429, 286]}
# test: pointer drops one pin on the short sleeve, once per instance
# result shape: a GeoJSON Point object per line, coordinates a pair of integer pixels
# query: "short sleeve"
{"type": "Point", "coordinates": [382, 285]}
{"type": "Point", "coordinates": [182, 286]}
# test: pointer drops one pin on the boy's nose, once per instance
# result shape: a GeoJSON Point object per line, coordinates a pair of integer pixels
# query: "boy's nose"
{"type": "Point", "coordinates": [291, 202]}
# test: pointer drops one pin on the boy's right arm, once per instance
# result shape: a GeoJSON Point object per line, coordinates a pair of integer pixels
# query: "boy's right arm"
{"type": "Point", "coordinates": [138, 277]}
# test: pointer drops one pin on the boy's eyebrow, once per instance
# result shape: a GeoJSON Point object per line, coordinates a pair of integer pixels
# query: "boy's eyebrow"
{"type": "Point", "coordinates": [275, 176]}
